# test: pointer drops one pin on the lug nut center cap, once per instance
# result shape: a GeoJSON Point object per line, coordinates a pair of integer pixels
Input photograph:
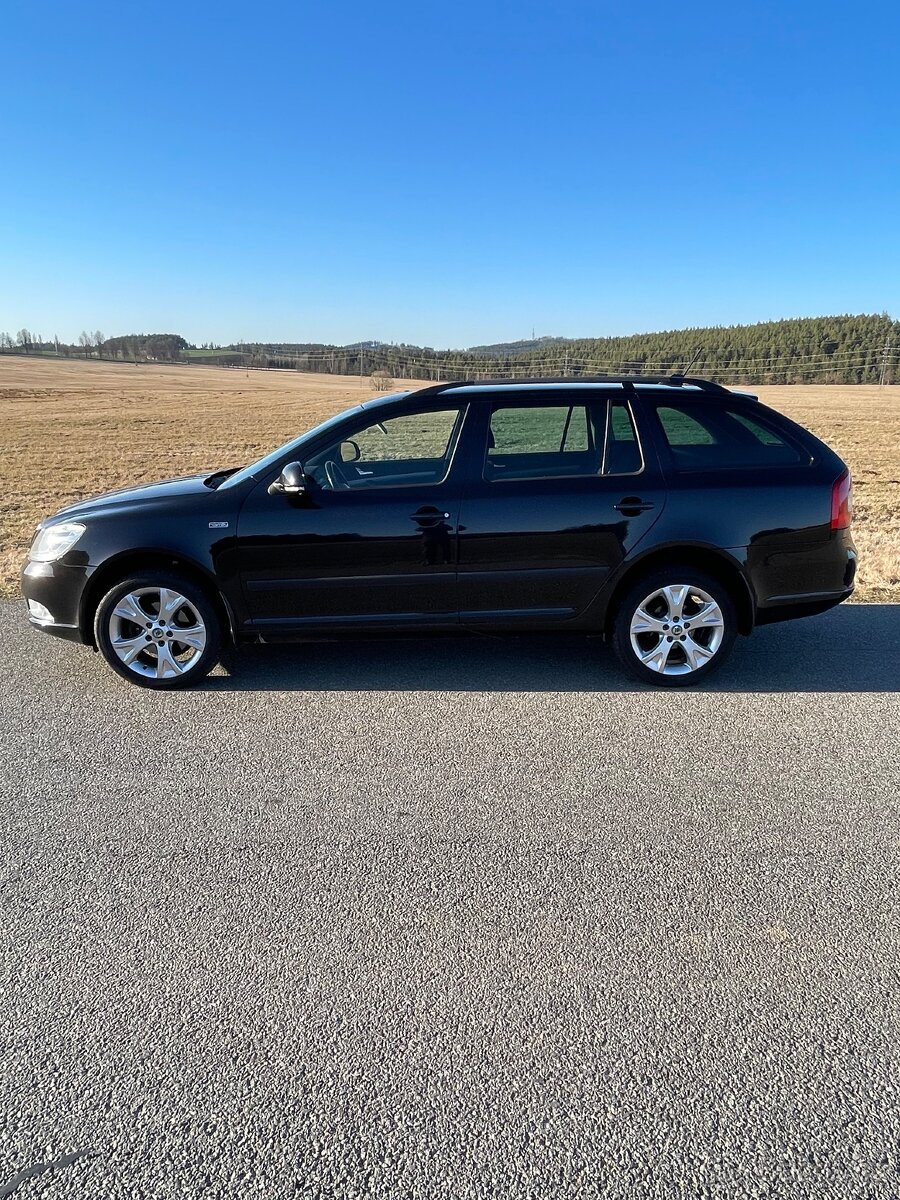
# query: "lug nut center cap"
{"type": "Point", "coordinates": [676, 629]}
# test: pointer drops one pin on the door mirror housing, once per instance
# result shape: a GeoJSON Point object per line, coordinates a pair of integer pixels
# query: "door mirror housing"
{"type": "Point", "coordinates": [291, 482]}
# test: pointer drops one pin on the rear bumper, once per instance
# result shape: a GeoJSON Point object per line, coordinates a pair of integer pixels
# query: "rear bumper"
{"type": "Point", "coordinates": [801, 580]}
{"type": "Point", "coordinates": [53, 593]}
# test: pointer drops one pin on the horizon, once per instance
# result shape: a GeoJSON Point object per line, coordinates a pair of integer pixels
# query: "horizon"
{"type": "Point", "coordinates": [586, 170]}
{"type": "Point", "coordinates": [367, 342]}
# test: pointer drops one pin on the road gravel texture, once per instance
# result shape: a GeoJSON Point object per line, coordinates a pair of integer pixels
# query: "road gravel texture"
{"type": "Point", "coordinates": [453, 919]}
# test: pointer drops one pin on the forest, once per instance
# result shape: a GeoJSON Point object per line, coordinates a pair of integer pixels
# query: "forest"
{"type": "Point", "coordinates": [842, 349]}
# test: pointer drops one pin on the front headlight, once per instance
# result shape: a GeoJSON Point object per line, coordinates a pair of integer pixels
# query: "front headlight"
{"type": "Point", "coordinates": [55, 541]}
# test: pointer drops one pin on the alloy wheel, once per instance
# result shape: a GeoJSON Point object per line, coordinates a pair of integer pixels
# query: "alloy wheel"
{"type": "Point", "coordinates": [677, 629]}
{"type": "Point", "coordinates": [157, 632]}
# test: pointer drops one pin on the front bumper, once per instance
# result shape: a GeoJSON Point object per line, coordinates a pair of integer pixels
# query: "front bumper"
{"type": "Point", "coordinates": [53, 593]}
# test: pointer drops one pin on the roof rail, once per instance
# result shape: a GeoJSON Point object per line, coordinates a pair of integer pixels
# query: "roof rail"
{"type": "Point", "coordinates": [705, 385]}
{"type": "Point", "coordinates": [628, 381]}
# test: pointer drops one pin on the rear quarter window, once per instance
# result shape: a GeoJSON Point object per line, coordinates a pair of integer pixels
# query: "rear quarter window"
{"type": "Point", "coordinates": [715, 436]}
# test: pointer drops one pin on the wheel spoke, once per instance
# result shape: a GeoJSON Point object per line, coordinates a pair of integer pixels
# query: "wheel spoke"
{"type": "Point", "coordinates": [166, 663]}
{"type": "Point", "coordinates": [192, 635]}
{"type": "Point", "coordinates": [129, 610]}
{"type": "Point", "coordinates": [709, 617]}
{"type": "Point", "coordinates": [129, 648]}
{"type": "Point", "coordinates": [645, 622]}
{"type": "Point", "coordinates": [675, 596]}
{"type": "Point", "coordinates": [169, 603]}
{"type": "Point", "coordinates": [657, 659]}
{"type": "Point", "coordinates": [695, 654]}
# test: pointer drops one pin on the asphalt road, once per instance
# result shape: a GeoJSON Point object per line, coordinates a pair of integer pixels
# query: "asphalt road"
{"type": "Point", "coordinates": [453, 919]}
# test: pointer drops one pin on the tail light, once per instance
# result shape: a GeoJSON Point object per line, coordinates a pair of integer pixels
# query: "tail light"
{"type": "Point", "coordinates": [842, 502]}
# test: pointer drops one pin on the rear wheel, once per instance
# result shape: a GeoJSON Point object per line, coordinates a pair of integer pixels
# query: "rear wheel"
{"type": "Point", "coordinates": [158, 630]}
{"type": "Point", "coordinates": [675, 626]}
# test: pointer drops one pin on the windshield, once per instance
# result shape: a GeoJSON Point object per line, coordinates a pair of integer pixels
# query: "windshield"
{"type": "Point", "coordinates": [254, 470]}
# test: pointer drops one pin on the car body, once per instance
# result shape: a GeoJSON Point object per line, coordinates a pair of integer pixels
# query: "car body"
{"type": "Point", "coordinates": [486, 506]}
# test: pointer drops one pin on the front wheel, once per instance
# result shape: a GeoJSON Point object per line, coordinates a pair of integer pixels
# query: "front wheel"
{"type": "Point", "coordinates": [158, 630]}
{"type": "Point", "coordinates": [675, 626]}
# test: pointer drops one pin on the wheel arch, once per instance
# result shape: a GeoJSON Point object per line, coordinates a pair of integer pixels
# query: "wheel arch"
{"type": "Point", "coordinates": [713, 561]}
{"type": "Point", "coordinates": [132, 561]}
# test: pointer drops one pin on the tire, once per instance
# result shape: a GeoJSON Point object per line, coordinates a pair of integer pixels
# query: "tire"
{"type": "Point", "coordinates": [137, 626]}
{"type": "Point", "coordinates": [664, 652]}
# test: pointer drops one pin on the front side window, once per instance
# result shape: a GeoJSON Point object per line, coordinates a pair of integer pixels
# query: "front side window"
{"type": "Point", "coordinates": [542, 441]}
{"type": "Point", "coordinates": [411, 449]}
{"type": "Point", "coordinates": [712, 436]}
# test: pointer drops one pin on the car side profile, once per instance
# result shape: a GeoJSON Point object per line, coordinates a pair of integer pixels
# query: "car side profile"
{"type": "Point", "coordinates": [666, 515]}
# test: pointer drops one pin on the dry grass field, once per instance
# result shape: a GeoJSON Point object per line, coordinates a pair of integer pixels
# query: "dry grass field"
{"type": "Point", "coordinates": [72, 429]}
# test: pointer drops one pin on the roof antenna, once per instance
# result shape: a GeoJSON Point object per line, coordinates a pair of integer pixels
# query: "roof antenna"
{"type": "Point", "coordinates": [679, 376]}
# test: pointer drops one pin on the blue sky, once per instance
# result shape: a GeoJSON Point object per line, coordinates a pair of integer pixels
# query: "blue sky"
{"type": "Point", "coordinates": [445, 174]}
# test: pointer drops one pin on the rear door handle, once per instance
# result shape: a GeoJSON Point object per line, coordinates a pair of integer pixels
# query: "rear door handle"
{"type": "Point", "coordinates": [630, 505]}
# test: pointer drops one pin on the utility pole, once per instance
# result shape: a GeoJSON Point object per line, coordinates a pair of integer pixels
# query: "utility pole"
{"type": "Point", "coordinates": [566, 371]}
{"type": "Point", "coordinates": [885, 359]}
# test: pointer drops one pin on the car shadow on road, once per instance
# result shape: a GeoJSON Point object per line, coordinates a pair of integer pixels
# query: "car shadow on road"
{"type": "Point", "coordinates": [855, 648]}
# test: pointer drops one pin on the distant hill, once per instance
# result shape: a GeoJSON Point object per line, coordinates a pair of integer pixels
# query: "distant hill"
{"type": "Point", "coordinates": [501, 348]}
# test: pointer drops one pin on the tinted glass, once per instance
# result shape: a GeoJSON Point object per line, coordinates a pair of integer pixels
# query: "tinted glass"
{"type": "Point", "coordinates": [415, 436]}
{"type": "Point", "coordinates": [546, 441]}
{"type": "Point", "coordinates": [407, 450]}
{"type": "Point", "coordinates": [711, 436]}
{"type": "Point", "coordinates": [623, 454]}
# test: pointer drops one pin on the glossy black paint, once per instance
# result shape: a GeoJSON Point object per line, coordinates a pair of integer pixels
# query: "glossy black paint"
{"type": "Point", "coordinates": [466, 552]}
{"type": "Point", "coordinates": [535, 552]}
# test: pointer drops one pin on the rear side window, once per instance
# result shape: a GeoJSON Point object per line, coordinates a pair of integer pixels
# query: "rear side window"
{"type": "Point", "coordinates": [711, 436]}
{"type": "Point", "coordinates": [551, 430]}
{"type": "Point", "coordinates": [542, 442]}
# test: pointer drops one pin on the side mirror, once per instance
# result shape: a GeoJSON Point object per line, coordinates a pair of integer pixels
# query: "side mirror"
{"type": "Point", "coordinates": [350, 451]}
{"type": "Point", "coordinates": [291, 482]}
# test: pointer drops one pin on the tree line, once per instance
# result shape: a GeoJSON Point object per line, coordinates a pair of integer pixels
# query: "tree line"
{"type": "Point", "coordinates": [133, 347]}
{"type": "Point", "coordinates": [841, 349]}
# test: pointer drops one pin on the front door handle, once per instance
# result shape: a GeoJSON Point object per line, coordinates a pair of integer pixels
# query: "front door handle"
{"type": "Point", "coordinates": [430, 516]}
{"type": "Point", "coordinates": [630, 506]}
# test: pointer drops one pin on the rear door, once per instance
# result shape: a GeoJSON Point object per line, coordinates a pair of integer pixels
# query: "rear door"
{"type": "Point", "coordinates": [561, 490]}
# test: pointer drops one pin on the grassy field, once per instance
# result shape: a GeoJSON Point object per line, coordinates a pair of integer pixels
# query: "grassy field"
{"type": "Point", "coordinates": [72, 429]}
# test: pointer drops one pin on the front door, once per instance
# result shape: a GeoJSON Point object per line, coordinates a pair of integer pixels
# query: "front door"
{"type": "Point", "coordinates": [563, 494]}
{"type": "Point", "coordinates": [373, 539]}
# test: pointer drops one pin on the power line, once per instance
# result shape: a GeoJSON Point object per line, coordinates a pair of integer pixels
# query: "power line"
{"type": "Point", "coordinates": [860, 355]}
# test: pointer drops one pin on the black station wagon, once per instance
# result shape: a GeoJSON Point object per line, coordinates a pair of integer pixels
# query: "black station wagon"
{"type": "Point", "coordinates": [665, 515]}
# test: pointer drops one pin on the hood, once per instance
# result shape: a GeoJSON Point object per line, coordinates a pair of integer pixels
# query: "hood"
{"type": "Point", "coordinates": [187, 485]}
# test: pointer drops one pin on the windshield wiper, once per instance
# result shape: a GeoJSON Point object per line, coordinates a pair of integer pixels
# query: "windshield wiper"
{"type": "Point", "coordinates": [217, 477]}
